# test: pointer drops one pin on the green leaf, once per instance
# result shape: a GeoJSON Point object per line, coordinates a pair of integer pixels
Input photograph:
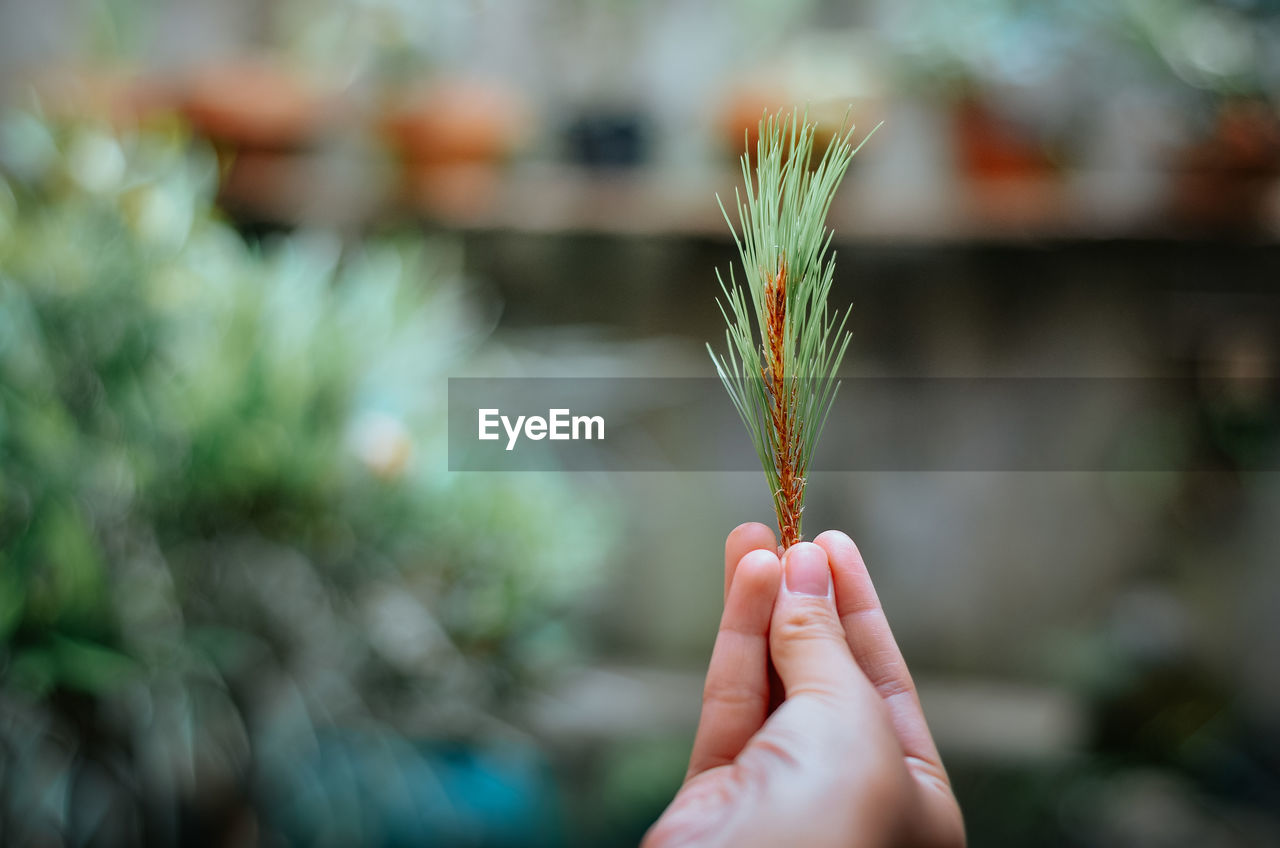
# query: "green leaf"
{"type": "Point", "coordinates": [13, 596]}
{"type": "Point", "coordinates": [90, 667]}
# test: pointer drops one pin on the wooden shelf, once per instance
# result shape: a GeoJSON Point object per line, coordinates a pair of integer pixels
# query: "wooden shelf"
{"type": "Point", "coordinates": [293, 189]}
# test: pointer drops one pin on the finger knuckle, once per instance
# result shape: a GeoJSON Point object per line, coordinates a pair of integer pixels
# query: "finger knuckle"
{"type": "Point", "coordinates": [805, 621]}
{"type": "Point", "coordinates": [733, 696]}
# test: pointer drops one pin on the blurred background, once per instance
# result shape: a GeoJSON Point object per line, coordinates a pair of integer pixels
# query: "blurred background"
{"type": "Point", "coordinates": [244, 243]}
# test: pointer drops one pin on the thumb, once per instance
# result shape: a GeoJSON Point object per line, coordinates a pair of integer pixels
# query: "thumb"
{"type": "Point", "coordinates": [831, 766]}
{"type": "Point", "coordinates": [806, 639]}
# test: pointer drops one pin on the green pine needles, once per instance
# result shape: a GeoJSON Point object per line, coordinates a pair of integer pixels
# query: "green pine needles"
{"type": "Point", "coordinates": [784, 344]}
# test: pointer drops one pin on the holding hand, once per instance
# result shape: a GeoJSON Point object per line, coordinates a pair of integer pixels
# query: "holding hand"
{"type": "Point", "coordinates": [846, 759]}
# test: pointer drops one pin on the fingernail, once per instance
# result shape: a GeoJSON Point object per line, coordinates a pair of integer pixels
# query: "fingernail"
{"type": "Point", "coordinates": [806, 570]}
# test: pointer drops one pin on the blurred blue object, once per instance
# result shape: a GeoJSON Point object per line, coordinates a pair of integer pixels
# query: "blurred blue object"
{"type": "Point", "coordinates": [372, 788]}
{"type": "Point", "coordinates": [612, 138]}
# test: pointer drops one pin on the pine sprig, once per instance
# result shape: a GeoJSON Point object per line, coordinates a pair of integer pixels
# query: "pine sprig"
{"type": "Point", "coordinates": [784, 345]}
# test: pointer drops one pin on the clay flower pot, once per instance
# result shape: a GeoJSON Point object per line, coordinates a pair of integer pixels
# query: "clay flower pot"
{"type": "Point", "coordinates": [989, 146]}
{"type": "Point", "coordinates": [455, 121]}
{"type": "Point", "coordinates": [257, 105]}
{"type": "Point", "coordinates": [1225, 179]}
{"type": "Point", "coordinates": [744, 106]}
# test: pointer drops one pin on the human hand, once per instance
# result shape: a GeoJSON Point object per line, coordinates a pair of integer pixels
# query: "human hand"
{"type": "Point", "coordinates": [846, 759]}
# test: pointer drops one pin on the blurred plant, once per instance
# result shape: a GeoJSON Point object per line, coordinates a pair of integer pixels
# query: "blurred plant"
{"type": "Point", "coordinates": [394, 39]}
{"type": "Point", "coordinates": [1218, 47]}
{"type": "Point", "coordinates": [1038, 83]}
{"type": "Point", "coordinates": [223, 523]}
{"type": "Point", "coordinates": [958, 47]}
{"type": "Point", "coordinates": [1083, 48]}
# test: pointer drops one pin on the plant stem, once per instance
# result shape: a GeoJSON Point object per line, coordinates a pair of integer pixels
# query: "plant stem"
{"type": "Point", "coordinates": [789, 499]}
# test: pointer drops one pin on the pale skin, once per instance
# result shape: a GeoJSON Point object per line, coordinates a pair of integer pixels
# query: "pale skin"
{"type": "Point", "coordinates": [835, 750]}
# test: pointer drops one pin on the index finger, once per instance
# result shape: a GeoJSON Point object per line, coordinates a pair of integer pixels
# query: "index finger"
{"type": "Point", "coordinates": [742, 540]}
{"type": "Point", "coordinates": [735, 700]}
{"type": "Point", "coordinates": [867, 630]}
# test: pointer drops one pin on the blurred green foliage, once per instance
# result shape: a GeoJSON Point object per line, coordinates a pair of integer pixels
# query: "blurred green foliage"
{"type": "Point", "coordinates": [1087, 46]}
{"type": "Point", "coordinates": [224, 517]}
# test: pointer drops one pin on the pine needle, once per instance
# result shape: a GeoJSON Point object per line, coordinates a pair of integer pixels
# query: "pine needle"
{"type": "Point", "coordinates": [784, 345]}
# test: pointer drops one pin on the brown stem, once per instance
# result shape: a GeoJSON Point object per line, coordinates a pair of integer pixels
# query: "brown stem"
{"type": "Point", "coordinates": [789, 498]}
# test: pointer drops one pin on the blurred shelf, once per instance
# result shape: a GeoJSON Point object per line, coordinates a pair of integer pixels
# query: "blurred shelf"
{"type": "Point", "coordinates": [970, 718]}
{"type": "Point", "coordinates": [657, 203]}
{"type": "Point", "coordinates": [289, 189]}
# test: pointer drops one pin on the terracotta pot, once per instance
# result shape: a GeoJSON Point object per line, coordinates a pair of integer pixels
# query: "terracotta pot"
{"type": "Point", "coordinates": [457, 121]}
{"type": "Point", "coordinates": [740, 116]}
{"type": "Point", "coordinates": [1226, 179]}
{"type": "Point", "coordinates": [743, 108]}
{"type": "Point", "coordinates": [257, 105]}
{"type": "Point", "coordinates": [991, 147]}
